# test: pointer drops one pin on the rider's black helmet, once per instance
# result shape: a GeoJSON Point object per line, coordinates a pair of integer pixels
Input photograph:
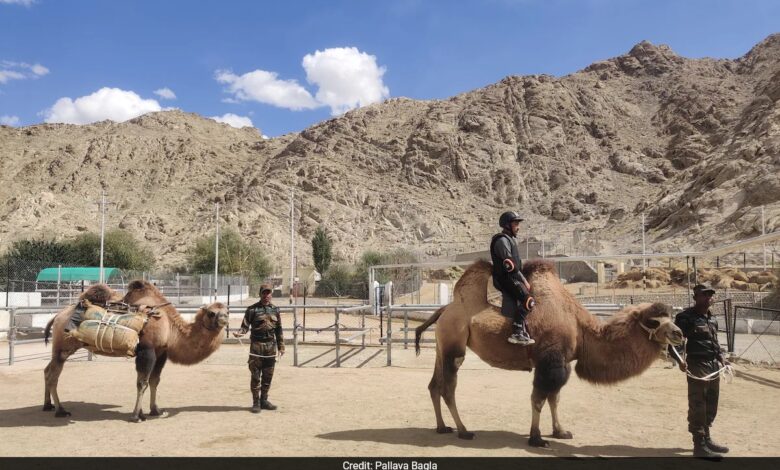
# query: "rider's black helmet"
{"type": "Point", "coordinates": [509, 217]}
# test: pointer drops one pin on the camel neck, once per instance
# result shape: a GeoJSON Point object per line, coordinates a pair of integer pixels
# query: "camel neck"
{"type": "Point", "coordinates": [614, 351]}
{"type": "Point", "coordinates": [192, 342]}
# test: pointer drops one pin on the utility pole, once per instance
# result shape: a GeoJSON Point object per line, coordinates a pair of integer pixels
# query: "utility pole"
{"type": "Point", "coordinates": [763, 232]}
{"type": "Point", "coordinates": [644, 251]}
{"type": "Point", "coordinates": [216, 253]}
{"type": "Point", "coordinates": [292, 242]}
{"type": "Point", "coordinates": [103, 203]}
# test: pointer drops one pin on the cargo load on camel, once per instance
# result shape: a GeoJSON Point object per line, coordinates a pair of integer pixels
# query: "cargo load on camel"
{"type": "Point", "coordinates": [110, 331]}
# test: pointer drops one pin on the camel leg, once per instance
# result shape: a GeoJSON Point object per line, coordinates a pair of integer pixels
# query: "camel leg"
{"type": "Point", "coordinates": [538, 397]}
{"type": "Point", "coordinates": [558, 431]}
{"type": "Point", "coordinates": [450, 369]}
{"type": "Point", "coordinates": [144, 364]}
{"type": "Point", "coordinates": [51, 375]}
{"type": "Point", "coordinates": [551, 374]}
{"type": "Point", "coordinates": [154, 381]}
{"type": "Point", "coordinates": [47, 406]}
{"type": "Point", "coordinates": [435, 388]}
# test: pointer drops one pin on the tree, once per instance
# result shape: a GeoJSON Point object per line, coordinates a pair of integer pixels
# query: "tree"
{"type": "Point", "coordinates": [49, 251]}
{"type": "Point", "coordinates": [338, 281]}
{"type": "Point", "coordinates": [321, 250]}
{"type": "Point", "coordinates": [25, 258]}
{"type": "Point", "coordinates": [120, 250]}
{"type": "Point", "coordinates": [235, 256]}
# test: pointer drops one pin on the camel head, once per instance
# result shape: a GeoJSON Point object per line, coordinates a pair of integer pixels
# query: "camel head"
{"type": "Point", "coordinates": [213, 317]}
{"type": "Point", "coordinates": [656, 320]}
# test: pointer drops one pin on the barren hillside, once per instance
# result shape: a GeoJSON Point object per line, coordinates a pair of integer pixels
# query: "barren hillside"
{"type": "Point", "coordinates": [694, 143]}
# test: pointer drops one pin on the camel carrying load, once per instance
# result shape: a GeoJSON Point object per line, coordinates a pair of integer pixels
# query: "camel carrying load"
{"type": "Point", "coordinates": [606, 352]}
{"type": "Point", "coordinates": [165, 335]}
{"type": "Point", "coordinates": [110, 330]}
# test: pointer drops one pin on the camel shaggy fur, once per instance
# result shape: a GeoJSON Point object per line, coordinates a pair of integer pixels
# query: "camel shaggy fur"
{"type": "Point", "coordinates": [165, 336]}
{"type": "Point", "coordinates": [564, 331]}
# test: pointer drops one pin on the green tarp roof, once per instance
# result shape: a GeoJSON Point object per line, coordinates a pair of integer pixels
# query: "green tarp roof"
{"type": "Point", "coordinates": [76, 274]}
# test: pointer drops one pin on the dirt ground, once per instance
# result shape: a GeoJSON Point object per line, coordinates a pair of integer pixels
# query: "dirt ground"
{"type": "Point", "coordinates": [364, 409]}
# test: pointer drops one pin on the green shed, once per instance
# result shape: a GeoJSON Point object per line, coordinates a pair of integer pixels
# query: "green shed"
{"type": "Point", "coordinates": [79, 274]}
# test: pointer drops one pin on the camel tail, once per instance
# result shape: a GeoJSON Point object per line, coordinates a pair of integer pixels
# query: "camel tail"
{"type": "Point", "coordinates": [420, 329]}
{"type": "Point", "coordinates": [47, 331]}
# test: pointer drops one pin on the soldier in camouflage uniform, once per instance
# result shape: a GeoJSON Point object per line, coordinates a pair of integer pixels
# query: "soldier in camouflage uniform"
{"type": "Point", "coordinates": [265, 323]}
{"type": "Point", "coordinates": [703, 357]}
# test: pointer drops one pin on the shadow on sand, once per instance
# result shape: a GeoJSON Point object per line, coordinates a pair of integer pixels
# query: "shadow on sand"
{"type": "Point", "coordinates": [86, 412]}
{"type": "Point", "coordinates": [424, 437]}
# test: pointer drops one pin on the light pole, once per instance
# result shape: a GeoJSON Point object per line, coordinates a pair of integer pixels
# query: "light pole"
{"type": "Point", "coordinates": [292, 242]}
{"type": "Point", "coordinates": [216, 253]}
{"type": "Point", "coordinates": [644, 259]}
{"type": "Point", "coordinates": [763, 232]}
{"type": "Point", "coordinates": [103, 203]}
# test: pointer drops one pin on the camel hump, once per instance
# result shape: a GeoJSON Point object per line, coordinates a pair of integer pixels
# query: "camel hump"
{"type": "Point", "coordinates": [98, 294]}
{"type": "Point", "coordinates": [138, 284]}
{"type": "Point", "coordinates": [538, 266]}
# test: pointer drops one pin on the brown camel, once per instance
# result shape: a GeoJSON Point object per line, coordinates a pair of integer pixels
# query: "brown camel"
{"type": "Point", "coordinates": [165, 336]}
{"type": "Point", "coordinates": [564, 331]}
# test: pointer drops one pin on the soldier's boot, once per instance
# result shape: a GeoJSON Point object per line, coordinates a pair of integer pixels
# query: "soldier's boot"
{"type": "Point", "coordinates": [700, 448]}
{"type": "Point", "coordinates": [256, 406]}
{"type": "Point", "coordinates": [265, 404]}
{"type": "Point", "coordinates": [712, 445]}
{"type": "Point", "coordinates": [520, 335]}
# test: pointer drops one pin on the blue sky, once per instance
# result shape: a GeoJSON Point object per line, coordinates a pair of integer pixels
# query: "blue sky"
{"type": "Point", "coordinates": [285, 65]}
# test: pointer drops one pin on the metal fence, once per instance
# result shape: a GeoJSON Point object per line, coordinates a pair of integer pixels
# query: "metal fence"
{"type": "Point", "coordinates": [351, 327]}
{"type": "Point", "coordinates": [18, 279]}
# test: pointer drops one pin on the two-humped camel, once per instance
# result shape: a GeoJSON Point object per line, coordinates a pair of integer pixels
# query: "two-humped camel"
{"type": "Point", "coordinates": [606, 353]}
{"type": "Point", "coordinates": [165, 336]}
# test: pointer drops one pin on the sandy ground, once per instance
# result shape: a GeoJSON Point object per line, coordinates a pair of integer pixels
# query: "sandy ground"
{"type": "Point", "coordinates": [365, 409]}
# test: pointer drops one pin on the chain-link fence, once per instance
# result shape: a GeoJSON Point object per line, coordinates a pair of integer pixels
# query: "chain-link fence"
{"type": "Point", "coordinates": [31, 283]}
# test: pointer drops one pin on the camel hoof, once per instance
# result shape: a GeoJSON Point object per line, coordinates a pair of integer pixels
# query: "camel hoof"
{"type": "Point", "coordinates": [62, 413]}
{"type": "Point", "coordinates": [537, 441]}
{"type": "Point", "coordinates": [465, 435]}
{"type": "Point", "coordinates": [443, 430]}
{"type": "Point", "coordinates": [159, 413]}
{"type": "Point", "coordinates": [48, 407]}
{"type": "Point", "coordinates": [563, 435]}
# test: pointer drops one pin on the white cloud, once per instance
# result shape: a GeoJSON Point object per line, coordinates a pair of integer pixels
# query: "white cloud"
{"type": "Point", "coordinates": [165, 93]}
{"type": "Point", "coordinates": [346, 77]}
{"type": "Point", "coordinates": [265, 87]}
{"type": "Point", "coordinates": [234, 120]}
{"type": "Point", "coordinates": [106, 103]}
{"type": "Point", "coordinates": [26, 3]}
{"type": "Point", "coordinates": [9, 120]}
{"type": "Point", "coordinates": [39, 70]}
{"type": "Point", "coordinates": [20, 70]}
{"type": "Point", "coordinates": [8, 75]}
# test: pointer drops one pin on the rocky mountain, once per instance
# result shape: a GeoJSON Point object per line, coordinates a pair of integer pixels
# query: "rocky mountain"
{"type": "Point", "coordinates": [692, 143]}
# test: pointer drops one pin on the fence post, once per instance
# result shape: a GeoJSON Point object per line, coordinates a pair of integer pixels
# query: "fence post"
{"type": "Point", "coordinates": [338, 350]}
{"type": "Point", "coordinates": [363, 327]}
{"type": "Point", "coordinates": [389, 337]}
{"type": "Point", "coordinates": [733, 310]}
{"type": "Point", "coordinates": [295, 337]}
{"type": "Point", "coordinates": [59, 281]}
{"type": "Point", "coordinates": [8, 281]}
{"type": "Point", "coordinates": [406, 329]}
{"type": "Point", "coordinates": [11, 335]}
